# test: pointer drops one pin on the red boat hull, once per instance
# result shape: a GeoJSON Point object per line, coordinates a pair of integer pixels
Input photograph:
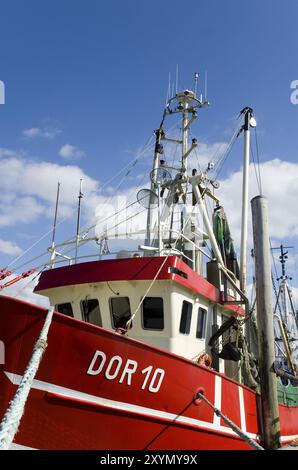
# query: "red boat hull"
{"type": "Point", "coordinates": [96, 389]}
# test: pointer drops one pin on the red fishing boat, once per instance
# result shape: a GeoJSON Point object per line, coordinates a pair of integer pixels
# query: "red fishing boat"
{"type": "Point", "coordinates": [146, 349]}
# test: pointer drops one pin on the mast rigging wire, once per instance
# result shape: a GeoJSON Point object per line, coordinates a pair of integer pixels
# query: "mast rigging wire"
{"type": "Point", "coordinates": [257, 170]}
{"type": "Point", "coordinates": [132, 163]}
{"type": "Point", "coordinates": [43, 266]}
{"type": "Point", "coordinates": [221, 161]}
{"type": "Point", "coordinates": [258, 159]}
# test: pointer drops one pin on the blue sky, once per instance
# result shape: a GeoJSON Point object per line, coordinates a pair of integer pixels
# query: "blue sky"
{"type": "Point", "coordinates": [93, 75]}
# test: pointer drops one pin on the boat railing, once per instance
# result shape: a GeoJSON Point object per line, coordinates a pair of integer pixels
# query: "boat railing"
{"type": "Point", "coordinates": [169, 248]}
{"type": "Point", "coordinates": [61, 259]}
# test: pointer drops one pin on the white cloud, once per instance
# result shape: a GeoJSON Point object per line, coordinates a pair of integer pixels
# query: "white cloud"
{"type": "Point", "coordinates": [117, 219]}
{"type": "Point", "coordinates": [9, 248]}
{"type": "Point", "coordinates": [295, 296]}
{"type": "Point", "coordinates": [46, 132]}
{"type": "Point", "coordinates": [21, 209]}
{"type": "Point", "coordinates": [32, 132]}
{"type": "Point", "coordinates": [279, 184]}
{"type": "Point", "coordinates": [23, 289]}
{"type": "Point", "coordinates": [71, 152]}
{"type": "Point", "coordinates": [29, 189]}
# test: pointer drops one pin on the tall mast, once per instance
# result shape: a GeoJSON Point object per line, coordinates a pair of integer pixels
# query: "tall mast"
{"type": "Point", "coordinates": [78, 221]}
{"type": "Point", "coordinates": [185, 103]}
{"type": "Point", "coordinates": [248, 122]}
{"type": "Point", "coordinates": [283, 289]}
{"type": "Point", "coordinates": [286, 319]}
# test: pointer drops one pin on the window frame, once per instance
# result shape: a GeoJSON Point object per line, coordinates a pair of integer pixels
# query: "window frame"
{"type": "Point", "coordinates": [65, 314]}
{"type": "Point", "coordinates": [85, 316]}
{"type": "Point", "coordinates": [204, 311]}
{"type": "Point", "coordinates": [111, 309]}
{"type": "Point", "coordinates": [163, 314]}
{"type": "Point", "coordinates": [187, 324]}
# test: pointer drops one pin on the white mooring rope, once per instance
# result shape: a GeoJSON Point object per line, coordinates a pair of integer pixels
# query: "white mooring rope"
{"type": "Point", "coordinates": [12, 418]}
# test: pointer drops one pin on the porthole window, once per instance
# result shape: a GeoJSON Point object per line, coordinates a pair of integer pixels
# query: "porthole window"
{"type": "Point", "coordinates": [201, 323]}
{"type": "Point", "coordinates": [153, 313]}
{"type": "Point", "coordinates": [91, 311]}
{"type": "Point", "coordinates": [185, 321]}
{"type": "Point", "coordinates": [120, 311]}
{"type": "Point", "coordinates": [65, 309]}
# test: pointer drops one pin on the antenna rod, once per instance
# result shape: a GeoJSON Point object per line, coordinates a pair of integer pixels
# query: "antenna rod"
{"type": "Point", "coordinates": [196, 83]}
{"type": "Point", "coordinates": [169, 90]}
{"type": "Point", "coordinates": [284, 282]}
{"type": "Point", "coordinates": [78, 221]}
{"type": "Point", "coordinates": [283, 258]}
{"type": "Point", "coordinates": [55, 224]}
{"type": "Point", "coordinates": [206, 85]}
{"type": "Point", "coordinates": [56, 213]}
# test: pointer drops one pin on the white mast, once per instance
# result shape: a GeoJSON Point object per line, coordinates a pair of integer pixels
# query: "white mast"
{"type": "Point", "coordinates": [248, 122]}
{"type": "Point", "coordinates": [185, 103]}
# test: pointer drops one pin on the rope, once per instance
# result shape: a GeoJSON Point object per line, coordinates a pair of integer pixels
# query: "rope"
{"type": "Point", "coordinates": [230, 423]}
{"type": "Point", "coordinates": [16, 295]}
{"type": "Point", "coordinates": [129, 322]}
{"type": "Point", "coordinates": [258, 160]}
{"type": "Point", "coordinates": [257, 170]}
{"type": "Point", "coordinates": [222, 159]}
{"type": "Point", "coordinates": [12, 418]}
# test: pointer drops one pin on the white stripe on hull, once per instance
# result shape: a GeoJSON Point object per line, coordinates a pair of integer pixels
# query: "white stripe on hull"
{"type": "Point", "coordinates": [128, 407]}
{"type": "Point", "coordinates": [15, 446]}
{"type": "Point", "coordinates": [242, 409]}
{"type": "Point", "coordinates": [217, 400]}
{"type": "Point", "coordinates": [68, 393]}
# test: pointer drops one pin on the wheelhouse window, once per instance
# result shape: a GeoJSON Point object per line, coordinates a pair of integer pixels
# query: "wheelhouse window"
{"type": "Point", "coordinates": [91, 311]}
{"type": "Point", "coordinates": [120, 311]}
{"type": "Point", "coordinates": [201, 323]}
{"type": "Point", "coordinates": [185, 321]}
{"type": "Point", "coordinates": [65, 309]}
{"type": "Point", "coordinates": [153, 313]}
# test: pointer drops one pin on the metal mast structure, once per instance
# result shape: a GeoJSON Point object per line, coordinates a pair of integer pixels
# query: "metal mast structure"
{"type": "Point", "coordinates": [286, 328]}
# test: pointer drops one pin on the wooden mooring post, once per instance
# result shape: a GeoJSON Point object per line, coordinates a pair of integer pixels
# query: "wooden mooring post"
{"type": "Point", "coordinates": [269, 402]}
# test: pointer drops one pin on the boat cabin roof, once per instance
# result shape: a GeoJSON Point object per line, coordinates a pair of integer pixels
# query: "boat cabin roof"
{"type": "Point", "coordinates": [133, 269]}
